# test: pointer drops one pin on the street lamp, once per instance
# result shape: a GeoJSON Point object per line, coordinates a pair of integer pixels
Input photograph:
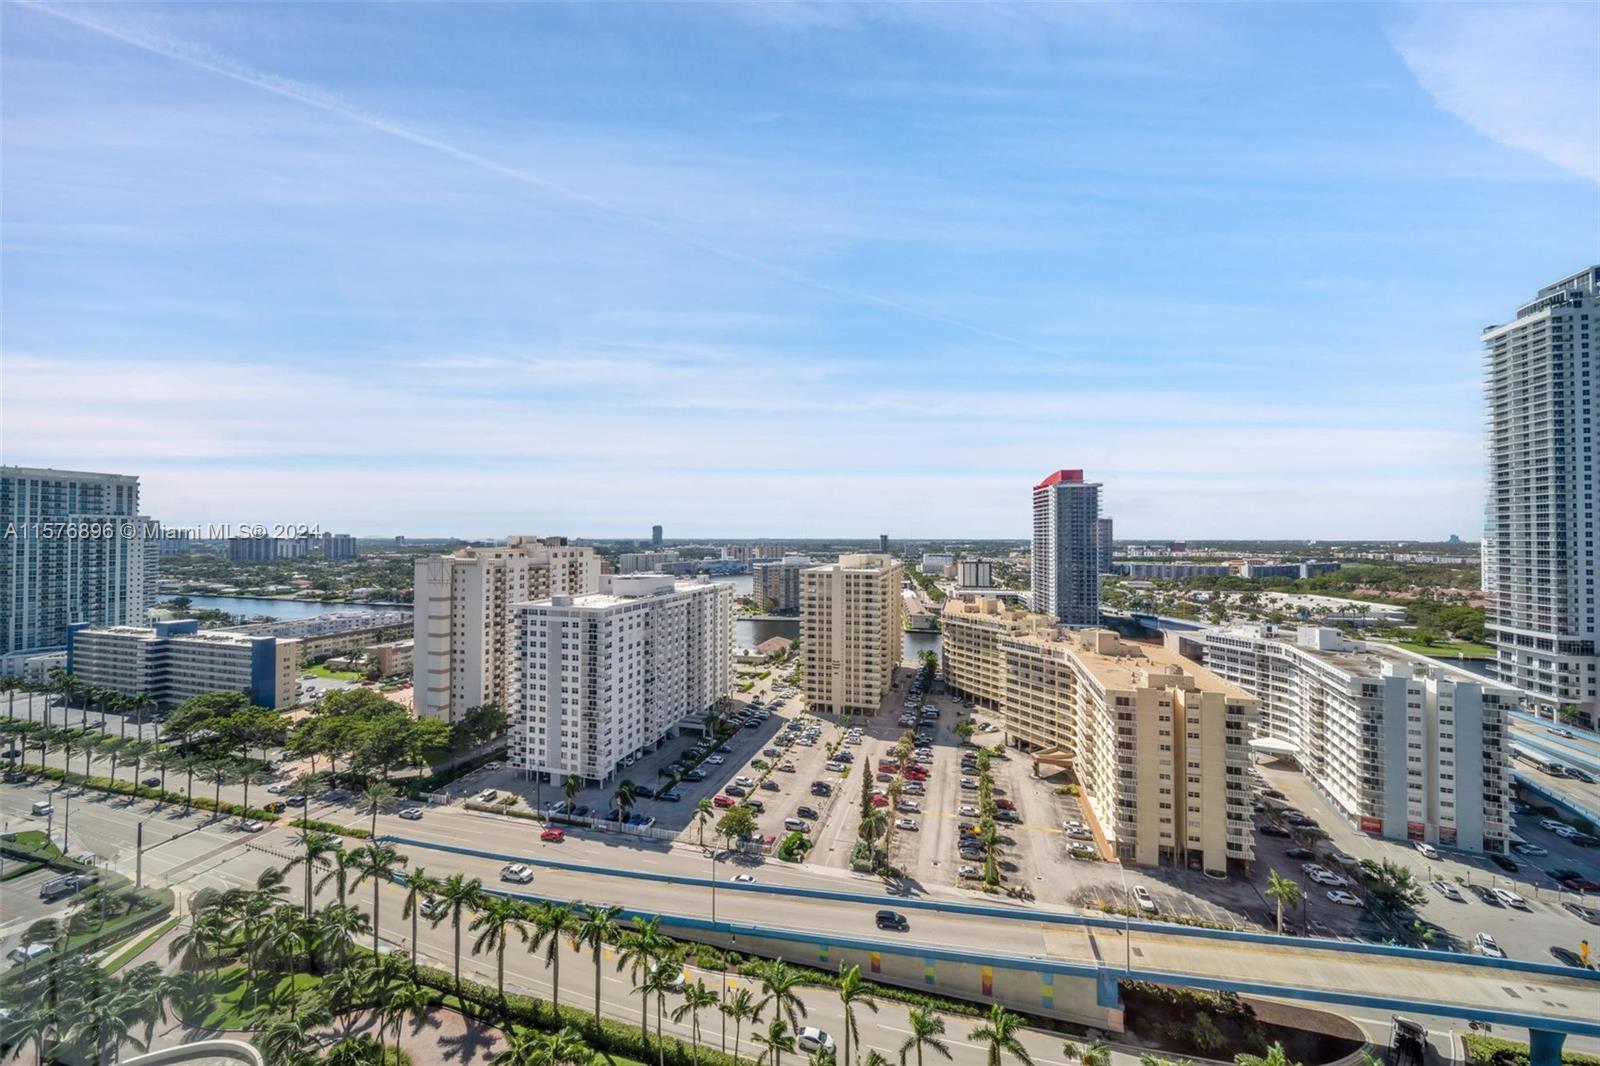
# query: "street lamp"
{"type": "Point", "coordinates": [1127, 919]}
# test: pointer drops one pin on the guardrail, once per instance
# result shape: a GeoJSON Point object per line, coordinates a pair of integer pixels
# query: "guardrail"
{"type": "Point", "coordinates": [1560, 799]}
{"type": "Point", "coordinates": [1022, 914]}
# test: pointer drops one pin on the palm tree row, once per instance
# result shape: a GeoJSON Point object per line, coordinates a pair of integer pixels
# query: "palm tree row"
{"type": "Point", "coordinates": [70, 688]}
{"type": "Point", "coordinates": [79, 1013]}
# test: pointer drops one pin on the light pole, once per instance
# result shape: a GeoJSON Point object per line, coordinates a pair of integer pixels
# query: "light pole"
{"type": "Point", "coordinates": [1127, 922]}
{"type": "Point", "coordinates": [713, 854]}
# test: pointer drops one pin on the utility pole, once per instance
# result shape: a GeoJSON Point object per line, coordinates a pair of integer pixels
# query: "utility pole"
{"type": "Point", "coordinates": [138, 860]}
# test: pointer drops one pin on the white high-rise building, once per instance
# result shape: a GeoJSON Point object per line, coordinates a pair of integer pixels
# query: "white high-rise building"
{"type": "Point", "coordinates": [850, 632]}
{"type": "Point", "coordinates": [1539, 545]}
{"type": "Point", "coordinates": [462, 615]}
{"type": "Point", "coordinates": [1401, 747]}
{"type": "Point", "coordinates": [73, 549]}
{"type": "Point", "coordinates": [1066, 552]}
{"type": "Point", "coordinates": [604, 677]}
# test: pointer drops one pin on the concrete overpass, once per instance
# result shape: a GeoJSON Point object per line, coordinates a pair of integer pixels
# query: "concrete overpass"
{"type": "Point", "coordinates": [1056, 963]}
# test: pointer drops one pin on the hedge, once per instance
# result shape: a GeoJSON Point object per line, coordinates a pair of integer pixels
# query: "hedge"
{"type": "Point", "coordinates": [130, 788]}
{"type": "Point", "coordinates": [329, 827]}
{"type": "Point", "coordinates": [419, 787]}
{"type": "Point", "coordinates": [1492, 1051]}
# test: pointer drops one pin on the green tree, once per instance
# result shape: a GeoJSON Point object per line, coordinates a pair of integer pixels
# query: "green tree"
{"type": "Point", "coordinates": [777, 1039]}
{"type": "Point", "coordinates": [420, 887]}
{"type": "Point", "coordinates": [379, 865]}
{"type": "Point", "coordinates": [853, 992]}
{"type": "Point", "coordinates": [999, 1033]}
{"type": "Point", "coordinates": [378, 796]}
{"type": "Point", "coordinates": [599, 925]}
{"type": "Point", "coordinates": [696, 998]}
{"type": "Point", "coordinates": [553, 922]}
{"type": "Point", "coordinates": [927, 1032]}
{"type": "Point", "coordinates": [1275, 1056]}
{"type": "Point", "coordinates": [779, 982]}
{"type": "Point", "coordinates": [741, 1007]}
{"type": "Point", "coordinates": [499, 919]}
{"type": "Point", "coordinates": [1283, 893]}
{"type": "Point", "coordinates": [458, 895]}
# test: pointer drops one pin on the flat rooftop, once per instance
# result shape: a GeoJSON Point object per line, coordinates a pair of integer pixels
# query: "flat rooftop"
{"type": "Point", "coordinates": [1117, 663]}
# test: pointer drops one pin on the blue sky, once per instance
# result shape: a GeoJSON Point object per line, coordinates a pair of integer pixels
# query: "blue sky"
{"type": "Point", "coordinates": [813, 270]}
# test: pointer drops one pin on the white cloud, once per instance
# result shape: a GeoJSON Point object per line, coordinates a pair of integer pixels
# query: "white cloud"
{"type": "Point", "coordinates": [1524, 75]}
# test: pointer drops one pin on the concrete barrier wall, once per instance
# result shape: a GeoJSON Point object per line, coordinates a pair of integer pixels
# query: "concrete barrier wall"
{"type": "Point", "coordinates": [198, 1051]}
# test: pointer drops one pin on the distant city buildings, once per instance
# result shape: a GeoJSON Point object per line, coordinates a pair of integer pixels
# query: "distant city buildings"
{"type": "Point", "coordinates": [334, 632]}
{"type": "Point", "coordinates": [975, 574]}
{"type": "Point", "coordinates": [172, 661]}
{"type": "Point", "coordinates": [338, 546]}
{"type": "Point", "coordinates": [850, 632]}
{"type": "Point", "coordinates": [883, 544]}
{"type": "Point", "coordinates": [1066, 557]}
{"type": "Point", "coordinates": [1401, 748]}
{"type": "Point", "coordinates": [74, 550]}
{"type": "Point", "coordinates": [1158, 745]}
{"type": "Point", "coordinates": [604, 677]}
{"type": "Point", "coordinates": [655, 537]}
{"type": "Point", "coordinates": [1173, 571]}
{"type": "Point", "coordinates": [462, 617]}
{"type": "Point", "coordinates": [936, 563]}
{"type": "Point", "coordinates": [1539, 546]}
{"type": "Point", "coordinates": [645, 562]}
{"type": "Point", "coordinates": [1291, 571]}
{"type": "Point", "coordinates": [776, 585]}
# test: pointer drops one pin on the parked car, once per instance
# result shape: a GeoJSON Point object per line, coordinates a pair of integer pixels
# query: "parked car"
{"type": "Point", "coordinates": [1448, 890]}
{"type": "Point", "coordinates": [1267, 829]}
{"type": "Point", "coordinates": [1511, 899]}
{"type": "Point", "coordinates": [1484, 944]}
{"type": "Point", "coordinates": [1505, 863]}
{"type": "Point", "coordinates": [1141, 896]}
{"type": "Point", "coordinates": [906, 823]}
{"type": "Point", "coordinates": [1428, 851]}
{"type": "Point", "coordinates": [807, 812]}
{"type": "Point", "coordinates": [1532, 851]}
{"type": "Point", "coordinates": [1568, 957]}
{"type": "Point", "coordinates": [1300, 853]}
{"type": "Point", "coordinates": [1343, 898]}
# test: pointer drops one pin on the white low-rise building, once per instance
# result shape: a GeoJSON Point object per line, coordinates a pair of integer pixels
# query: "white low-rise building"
{"type": "Point", "coordinates": [1404, 748]}
{"type": "Point", "coordinates": [604, 677]}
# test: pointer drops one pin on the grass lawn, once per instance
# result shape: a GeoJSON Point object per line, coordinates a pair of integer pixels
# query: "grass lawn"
{"type": "Point", "coordinates": [337, 675]}
{"type": "Point", "coordinates": [1447, 649]}
{"type": "Point", "coordinates": [237, 1004]}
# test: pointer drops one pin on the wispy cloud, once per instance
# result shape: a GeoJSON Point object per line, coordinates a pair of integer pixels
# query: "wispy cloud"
{"type": "Point", "coordinates": [1525, 75]}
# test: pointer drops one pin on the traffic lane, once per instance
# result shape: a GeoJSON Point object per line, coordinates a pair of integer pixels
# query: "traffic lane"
{"type": "Point", "coordinates": [1354, 974]}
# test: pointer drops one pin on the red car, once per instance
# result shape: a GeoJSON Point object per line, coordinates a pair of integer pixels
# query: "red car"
{"type": "Point", "coordinates": [916, 773]}
{"type": "Point", "coordinates": [1005, 805]}
{"type": "Point", "coordinates": [553, 836]}
{"type": "Point", "coordinates": [722, 801]}
{"type": "Point", "coordinates": [880, 801]}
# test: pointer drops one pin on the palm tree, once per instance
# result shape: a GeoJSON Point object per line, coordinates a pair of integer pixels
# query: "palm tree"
{"type": "Point", "coordinates": [379, 865]}
{"type": "Point", "coordinates": [657, 983]}
{"type": "Point", "coordinates": [624, 798]}
{"type": "Point", "coordinates": [248, 775]}
{"type": "Point", "coordinates": [778, 984]}
{"type": "Point", "coordinates": [926, 1030]}
{"type": "Point", "coordinates": [216, 773]}
{"type": "Point", "coordinates": [853, 992]}
{"type": "Point", "coordinates": [419, 886]}
{"type": "Point", "coordinates": [696, 998]}
{"type": "Point", "coordinates": [11, 684]}
{"type": "Point", "coordinates": [339, 870]}
{"type": "Point", "coordinates": [1095, 1054]}
{"type": "Point", "coordinates": [191, 764]}
{"type": "Point", "coordinates": [704, 814]}
{"type": "Point", "coordinates": [402, 1000]}
{"type": "Point", "coordinates": [164, 759]}
{"type": "Point", "coordinates": [499, 918]}
{"type": "Point", "coordinates": [637, 951]}
{"type": "Point", "coordinates": [460, 894]}
{"type": "Point", "coordinates": [552, 923]}
{"type": "Point", "coordinates": [379, 795]}
{"type": "Point", "coordinates": [776, 1039]}
{"type": "Point", "coordinates": [570, 788]}
{"type": "Point", "coordinates": [1275, 1056]}
{"type": "Point", "coordinates": [1283, 892]}
{"type": "Point", "coordinates": [289, 932]}
{"type": "Point", "coordinates": [875, 1058]}
{"type": "Point", "coordinates": [741, 1007]}
{"type": "Point", "coordinates": [598, 925]}
{"type": "Point", "coordinates": [337, 926]}
{"type": "Point", "coordinates": [207, 932]}
{"type": "Point", "coordinates": [139, 749]}
{"type": "Point", "coordinates": [286, 1042]}
{"type": "Point", "coordinates": [316, 846]}
{"type": "Point", "coordinates": [999, 1031]}
{"type": "Point", "coordinates": [142, 702]}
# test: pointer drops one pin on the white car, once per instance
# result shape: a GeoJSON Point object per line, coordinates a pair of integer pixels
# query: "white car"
{"type": "Point", "coordinates": [279, 789]}
{"type": "Point", "coordinates": [968, 811]}
{"type": "Point", "coordinates": [1510, 899]}
{"type": "Point", "coordinates": [1485, 944]}
{"type": "Point", "coordinates": [906, 806]}
{"type": "Point", "coordinates": [517, 872]}
{"type": "Point", "coordinates": [745, 780]}
{"type": "Point", "coordinates": [1533, 851]}
{"type": "Point", "coordinates": [1068, 827]}
{"type": "Point", "coordinates": [251, 826]}
{"type": "Point", "coordinates": [810, 1039]}
{"type": "Point", "coordinates": [1551, 824]}
{"type": "Point", "coordinates": [1428, 851]}
{"type": "Point", "coordinates": [914, 788]}
{"type": "Point", "coordinates": [1566, 832]}
{"type": "Point", "coordinates": [1141, 896]}
{"type": "Point", "coordinates": [1447, 890]}
{"type": "Point", "coordinates": [1343, 898]}
{"type": "Point", "coordinates": [488, 795]}
{"type": "Point", "coordinates": [905, 823]}
{"type": "Point", "coordinates": [411, 814]}
{"type": "Point", "coordinates": [742, 879]}
{"type": "Point", "coordinates": [1324, 876]}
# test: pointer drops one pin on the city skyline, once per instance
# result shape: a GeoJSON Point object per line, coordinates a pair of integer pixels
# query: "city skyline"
{"type": "Point", "coordinates": [905, 224]}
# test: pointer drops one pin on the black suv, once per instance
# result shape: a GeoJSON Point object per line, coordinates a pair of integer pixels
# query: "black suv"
{"type": "Point", "coordinates": [893, 920]}
{"type": "Point", "coordinates": [807, 812]}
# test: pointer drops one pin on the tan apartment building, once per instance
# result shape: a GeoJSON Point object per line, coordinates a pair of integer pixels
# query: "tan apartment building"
{"type": "Point", "coordinates": [1158, 744]}
{"type": "Point", "coordinates": [850, 632]}
{"type": "Point", "coordinates": [462, 633]}
{"type": "Point", "coordinates": [972, 628]}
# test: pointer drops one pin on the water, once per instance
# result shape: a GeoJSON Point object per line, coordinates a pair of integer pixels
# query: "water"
{"type": "Point", "coordinates": [277, 609]}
